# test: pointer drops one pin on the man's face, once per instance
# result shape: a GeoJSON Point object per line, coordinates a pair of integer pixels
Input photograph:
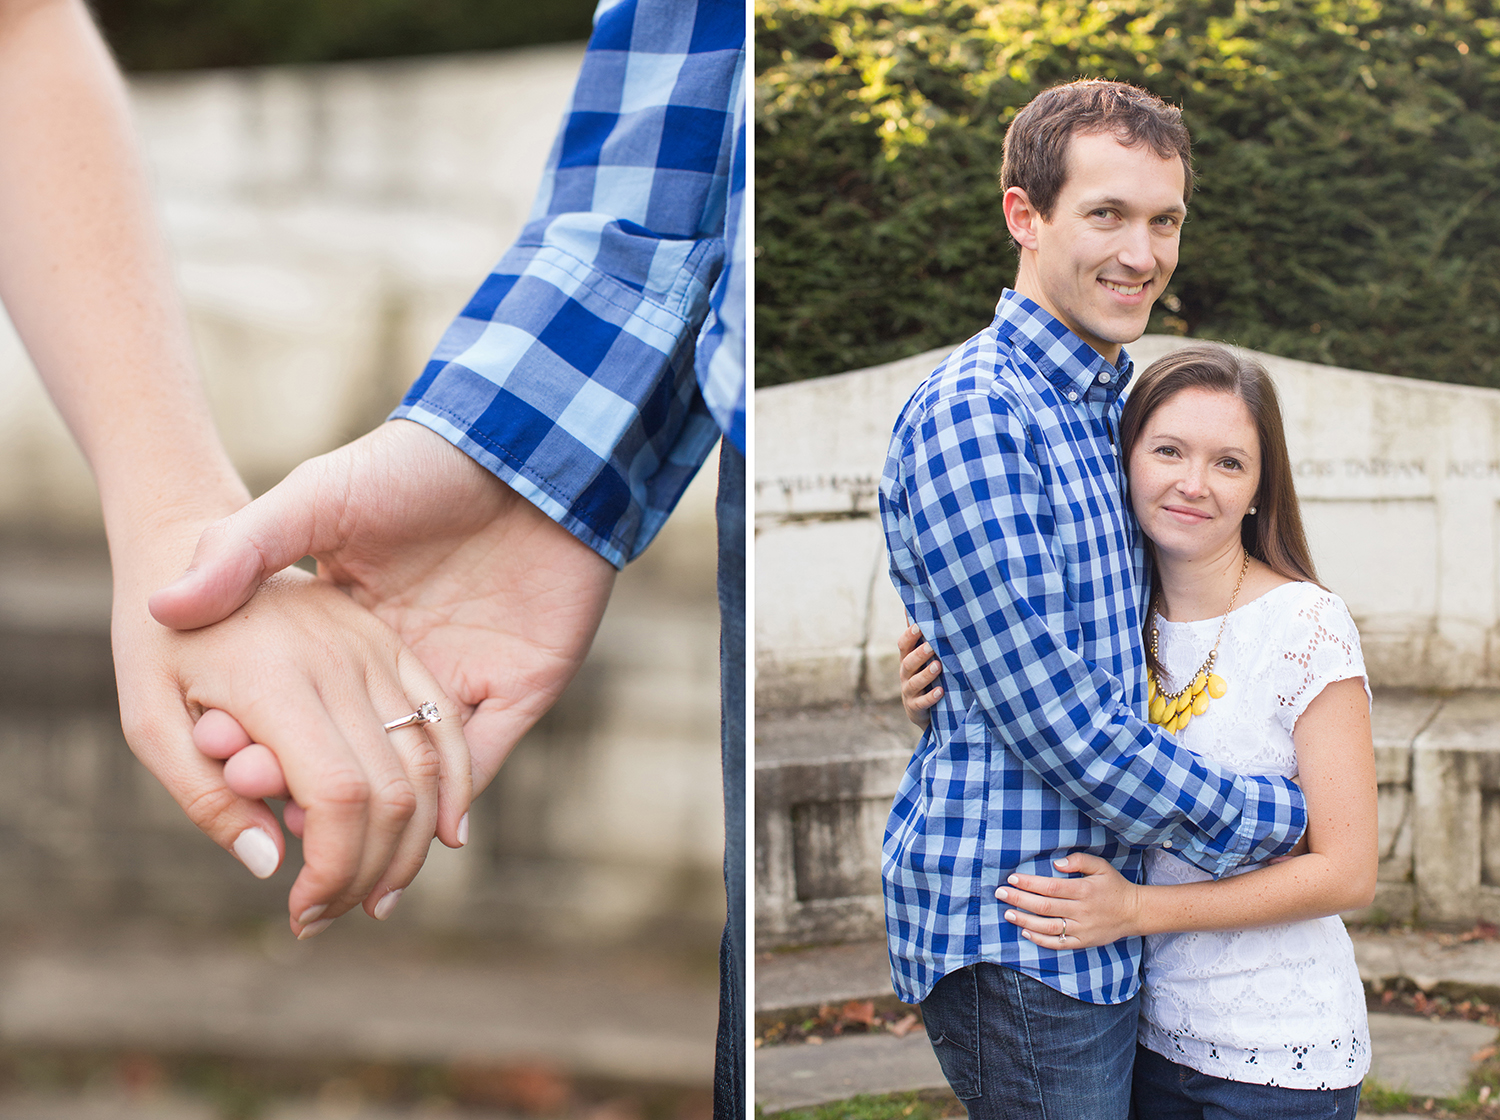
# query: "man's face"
{"type": "Point", "coordinates": [1111, 245]}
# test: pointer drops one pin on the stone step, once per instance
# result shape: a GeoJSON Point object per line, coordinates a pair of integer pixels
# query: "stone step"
{"type": "Point", "coordinates": [1421, 1056]}
{"type": "Point", "coordinates": [364, 998]}
{"type": "Point", "coordinates": [1424, 1058]}
{"type": "Point", "coordinates": [801, 1075]}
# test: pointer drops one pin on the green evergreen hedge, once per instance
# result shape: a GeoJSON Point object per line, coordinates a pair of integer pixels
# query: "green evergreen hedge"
{"type": "Point", "coordinates": [1348, 201]}
{"type": "Point", "coordinates": [189, 34]}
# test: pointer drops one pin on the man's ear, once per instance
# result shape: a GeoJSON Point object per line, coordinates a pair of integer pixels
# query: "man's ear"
{"type": "Point", "coordinates": [1021, 218]}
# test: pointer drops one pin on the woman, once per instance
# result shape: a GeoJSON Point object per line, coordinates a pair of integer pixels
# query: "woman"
{"type": "Point", "coordinates": [1252, 1002]}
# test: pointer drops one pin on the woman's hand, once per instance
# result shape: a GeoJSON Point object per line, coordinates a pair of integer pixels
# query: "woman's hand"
{"type": "Point", "coordinates": [919, 668]}
{"type": "Point", "coordinates": [1096, 906]}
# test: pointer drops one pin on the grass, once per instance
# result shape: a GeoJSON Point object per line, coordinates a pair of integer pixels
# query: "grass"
{"type": "Point", "coordinates": [896, 1106]}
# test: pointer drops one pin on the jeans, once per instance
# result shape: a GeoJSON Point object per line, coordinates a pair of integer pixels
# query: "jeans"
{"type": "Point", "coordinates": [1014, 1049]}
{"type": "Point", "coordinates": [729, 1066]}
{"type": "Point", "coordinates": [1165, 1090]}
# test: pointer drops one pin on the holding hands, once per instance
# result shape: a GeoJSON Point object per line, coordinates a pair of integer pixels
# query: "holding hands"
{"type": "Point", "coordinates": [496, 598]}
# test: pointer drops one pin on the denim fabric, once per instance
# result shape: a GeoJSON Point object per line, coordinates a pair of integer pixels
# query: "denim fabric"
{"type": "Point", "coordinates": [1014, 1049]}
{"type": "Point", "coordinates": [1165, 1090]}
{"type": "Point", "coordinates": [729, 1071]}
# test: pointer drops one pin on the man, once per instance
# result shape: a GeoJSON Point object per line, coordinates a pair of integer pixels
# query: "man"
{"type": "Point", "coordinates": [558, 422]}
{"type": "Point", "coordinates": [1014, 551]}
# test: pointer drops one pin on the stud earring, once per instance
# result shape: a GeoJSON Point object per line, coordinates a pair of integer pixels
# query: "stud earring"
{"type": "Point", "coordinates": [1252, 511]}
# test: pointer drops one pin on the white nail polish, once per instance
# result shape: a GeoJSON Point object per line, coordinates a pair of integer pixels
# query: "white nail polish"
{"type": "Point", "coordinates": [384, 907]}
{"type": "Point", "coordinates": [311, 914]}
{"type": "Point", "coordinates": [257, 851]}
{"type": "Point", "coordinates": [463, 830]}
{"type": "Point", "coordinates": [314, 929]}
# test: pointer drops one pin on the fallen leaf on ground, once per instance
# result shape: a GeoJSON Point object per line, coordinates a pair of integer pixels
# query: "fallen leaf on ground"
{"type": "Point", "coordinates": [861, 1011]}
{"type": "Point", "coordinates": [903, 1027]}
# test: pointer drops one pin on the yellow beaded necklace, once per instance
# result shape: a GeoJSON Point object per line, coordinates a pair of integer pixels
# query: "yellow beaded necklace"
{"type": "Point", "coordinates": [1172, 710]}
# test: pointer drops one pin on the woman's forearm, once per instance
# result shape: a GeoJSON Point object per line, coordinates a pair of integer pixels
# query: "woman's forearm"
{"type": "Point", "coordinates": [1307, 886]}
{"type": "Point", "coordinates": [86, 279]}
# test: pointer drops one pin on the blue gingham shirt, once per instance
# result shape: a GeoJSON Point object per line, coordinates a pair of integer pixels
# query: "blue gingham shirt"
{"type": "Point", "coordinates": [1013, 548]}
{"type": "Point", "coordinates": [598, 364]}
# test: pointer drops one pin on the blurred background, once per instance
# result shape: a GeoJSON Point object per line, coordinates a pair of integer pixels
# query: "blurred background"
{"type": "Point", "coordinates": [331, 202]}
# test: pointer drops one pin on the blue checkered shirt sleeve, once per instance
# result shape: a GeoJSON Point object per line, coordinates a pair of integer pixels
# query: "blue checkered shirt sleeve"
{"type": "Point", "coordinates": [597, 365]}
{"type": "Point", "coordinates": [970, 493]}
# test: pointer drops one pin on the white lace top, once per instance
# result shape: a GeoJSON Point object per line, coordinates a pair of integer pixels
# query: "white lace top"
{"type": "Point", "coordinates": [1280, 1005]}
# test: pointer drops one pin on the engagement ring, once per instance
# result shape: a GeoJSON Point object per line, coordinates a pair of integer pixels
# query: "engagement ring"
{"type": "Point", "coordinates": [427, 713]}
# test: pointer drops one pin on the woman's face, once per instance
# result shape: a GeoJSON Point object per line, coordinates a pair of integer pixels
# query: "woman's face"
{"type": "Point", "coordinates": [1194, 472]}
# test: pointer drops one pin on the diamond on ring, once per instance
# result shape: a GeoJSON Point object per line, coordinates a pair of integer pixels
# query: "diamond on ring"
{"type": "Point", "coordinates": [427, 712]}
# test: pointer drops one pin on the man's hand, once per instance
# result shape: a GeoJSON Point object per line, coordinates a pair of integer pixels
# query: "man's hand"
{"type": "Point", "coordinates": [499, 601]}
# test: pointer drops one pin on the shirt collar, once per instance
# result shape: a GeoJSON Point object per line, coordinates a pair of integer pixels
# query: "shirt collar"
{"type": "Point", "coordinates": [1061, 356]}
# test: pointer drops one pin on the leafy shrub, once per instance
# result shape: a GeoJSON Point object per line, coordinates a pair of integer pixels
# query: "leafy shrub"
{"type": "Point", "coordinates": [1348, 200]}
{"type": "Point", "coordinates": [188, 34]}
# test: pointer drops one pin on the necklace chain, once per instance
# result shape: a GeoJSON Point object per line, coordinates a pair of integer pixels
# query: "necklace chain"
{"type": "Point", "coordinates": [1203, 684]}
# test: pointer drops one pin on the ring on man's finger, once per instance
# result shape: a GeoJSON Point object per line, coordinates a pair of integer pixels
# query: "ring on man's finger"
{"type": "Point", "coordinates": [427, 712]}
{"type": "Point", "coordinates": [1063, 936]}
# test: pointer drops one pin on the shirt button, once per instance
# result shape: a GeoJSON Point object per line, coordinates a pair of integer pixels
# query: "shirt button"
{"type": "Point", "coordinates": [1072, 396]}
{"type": "Point", "coordinates": [1104, 379]}
{"type": "Point", "coordinates": [1166, 843]}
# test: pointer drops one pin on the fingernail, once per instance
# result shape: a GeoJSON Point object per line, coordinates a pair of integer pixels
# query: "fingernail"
{"type": "Point", "coordinates": [1060, 862]}
{"type": "Point", "coordinates": [384, 907]}
{"type": "Point", "coordinates": [463, 830]}
{"type": "Point", "coordinates": [1014, 880]}
{"type": "Point", "coordinates": [1010, 915]}
{"type": "Point", "coordinates": [314, 929]}
{"type": "Point", "coordinates": [312, 914]}
{"type": "Point", "coordinates": [1002, 894]}
{"type": "Point", "coordinates": [257, 851]}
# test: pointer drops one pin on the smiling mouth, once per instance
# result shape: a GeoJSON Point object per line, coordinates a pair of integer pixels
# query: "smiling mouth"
{"type": "Point", "coordinates": [1187, 513]}
{"type": "Point", "coordinates": [1123, 289]}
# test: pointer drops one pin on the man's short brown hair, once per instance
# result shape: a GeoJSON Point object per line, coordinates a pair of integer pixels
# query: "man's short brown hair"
{"type": "Point", "coordinates": [1036, 144]}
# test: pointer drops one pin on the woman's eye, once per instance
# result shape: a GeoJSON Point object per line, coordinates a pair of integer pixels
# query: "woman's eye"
{"type": "Point", "coordinates": [1168, 451]}
{"type": "Point", "coordinates": [1233, 465]}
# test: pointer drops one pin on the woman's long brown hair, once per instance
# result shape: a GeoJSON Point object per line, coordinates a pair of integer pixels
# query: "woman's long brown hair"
{"type": "Point", "coordinates": [1274, 534]}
